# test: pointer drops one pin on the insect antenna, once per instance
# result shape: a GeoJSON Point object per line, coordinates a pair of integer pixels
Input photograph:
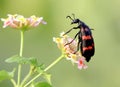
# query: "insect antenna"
{"type": "Point", "coordinates": [69, 17]}
{"type": "Point", "coordinates": [73, 15]}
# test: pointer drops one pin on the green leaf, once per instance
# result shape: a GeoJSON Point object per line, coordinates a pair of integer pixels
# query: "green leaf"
{"type": "Point", "coordinates": [22, 60]}
{"type": "Point", "coordinates": [47, 77]}
{"type": "Point", "coordinates": [42, 84]}
{"type": "Point", "coordinates": [12, 59]}
{"type": "Point", "coordinates": [32, 61]}
{"type": "Point", "coordinates": [12, 73]}
{"type": "Point", "coordinates": [40, 68]}
{"type": "Point", "coordinates": [4, 75]}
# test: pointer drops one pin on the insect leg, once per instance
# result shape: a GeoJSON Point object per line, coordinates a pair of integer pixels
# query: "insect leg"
{"type": "Point", "coordinates": [67, 31]}
{"type": "Point", "coordinates": [91, 29]}
{"type": "Point", "coordinates": [79, 41]}
{"type": "Point", "coordinates": [73, 39]}
{"type": "Point", "coordinates": [70, 30]}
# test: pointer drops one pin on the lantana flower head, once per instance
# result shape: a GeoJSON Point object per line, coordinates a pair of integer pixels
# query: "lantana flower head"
{"type": "Point", "coordinates": [69, 50]}
{"type": "Point", "coordinates": [20, 22]}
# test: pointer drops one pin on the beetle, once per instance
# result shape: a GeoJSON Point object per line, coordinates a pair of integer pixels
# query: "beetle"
{"type": "Point", "coordinates": [85, 38]}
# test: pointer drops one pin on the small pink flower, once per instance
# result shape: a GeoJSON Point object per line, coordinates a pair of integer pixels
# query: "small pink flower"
{"type": "Point", "coordinates": [7, 21]}
{"type": "Point", "coordinates": [69, 50]}
{"type": "Point", "coordinates": [81, 63]}
{"type": "Point", "coordinates": [20, 22]}
{"type": "Point", "coordinates": [35, 21]}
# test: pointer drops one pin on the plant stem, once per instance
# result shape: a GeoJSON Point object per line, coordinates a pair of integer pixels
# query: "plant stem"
{"type": "Point", "coordinates": [55, 62]}
{"type": "Point", "coordinates": [27, 77]}
{"type": "Point", "coordinates": [49, 67]}
{"type": "Point", "coordinates": [21, 52]}
{"type": "Point", "coordinates": [21, 43]}
{"type": "Point", "coordinates": [13, 81]}
{"type": "Point", "coordinates": [19, 74]}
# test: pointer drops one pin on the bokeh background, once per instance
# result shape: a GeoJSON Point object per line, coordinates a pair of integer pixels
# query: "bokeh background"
{"type": "Point", "coordinates": [101, 15]}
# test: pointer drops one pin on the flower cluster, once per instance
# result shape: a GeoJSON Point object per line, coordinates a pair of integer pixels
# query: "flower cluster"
{"type": "Point", "coordinates": [70, 50]}
{"type": "Point", "coordinates": [20, 22]}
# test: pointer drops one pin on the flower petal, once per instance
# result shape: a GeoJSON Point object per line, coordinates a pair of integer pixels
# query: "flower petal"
{"type": "Point", "coordinates": [81, 63]}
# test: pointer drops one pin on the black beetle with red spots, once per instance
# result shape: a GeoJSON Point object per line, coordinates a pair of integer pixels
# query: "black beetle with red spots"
{"type": "Point", "coordinates": [85, 39]}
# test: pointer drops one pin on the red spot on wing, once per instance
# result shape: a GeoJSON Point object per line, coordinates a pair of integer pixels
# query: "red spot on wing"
{"type": "Point", "coordinates": [86, 37]}
{"type": "Point", "coordinates": [87, 48]}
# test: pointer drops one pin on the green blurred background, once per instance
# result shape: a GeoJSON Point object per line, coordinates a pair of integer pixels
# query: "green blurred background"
{"type": "Point", "coordinates": [101, 15]}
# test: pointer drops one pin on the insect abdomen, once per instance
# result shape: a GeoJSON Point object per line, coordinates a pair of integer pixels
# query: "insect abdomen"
{"type": "Point", "coordinates": [87, 43]}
